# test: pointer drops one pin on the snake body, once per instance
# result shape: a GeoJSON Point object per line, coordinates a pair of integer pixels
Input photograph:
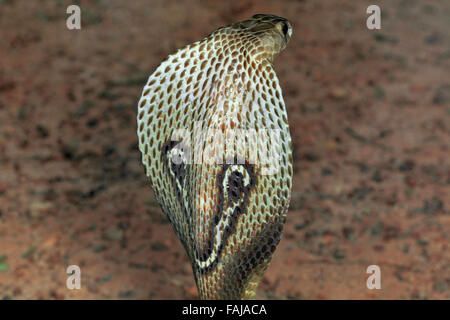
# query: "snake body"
{"type": "Point", "coordinates": [215, 142]}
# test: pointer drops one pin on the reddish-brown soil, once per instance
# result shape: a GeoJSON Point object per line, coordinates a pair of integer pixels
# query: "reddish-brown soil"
{"type": "Point", "coordinates": [369, 113]}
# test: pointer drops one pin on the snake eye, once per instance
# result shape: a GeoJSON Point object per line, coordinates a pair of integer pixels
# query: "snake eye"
{"type": "Point", "coordinates": [285, 28]}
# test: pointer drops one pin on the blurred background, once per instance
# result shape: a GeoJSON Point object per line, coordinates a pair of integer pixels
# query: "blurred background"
{"type": "Point", "coordinates": [369, 114]}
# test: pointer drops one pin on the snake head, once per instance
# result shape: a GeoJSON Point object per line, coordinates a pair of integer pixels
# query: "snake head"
{"type": "Point", "coordinates": [273, 32]}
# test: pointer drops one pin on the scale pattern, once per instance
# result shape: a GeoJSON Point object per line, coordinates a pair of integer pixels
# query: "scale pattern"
{"type": "Point", "coordinates": [215, 142]}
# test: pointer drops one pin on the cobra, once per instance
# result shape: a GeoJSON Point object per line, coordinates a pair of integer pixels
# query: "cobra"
{"type": "Point", "coordinates": [228, 213]}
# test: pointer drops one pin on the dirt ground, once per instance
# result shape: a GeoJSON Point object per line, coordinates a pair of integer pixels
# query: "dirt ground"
{"type": "Point", "coordinates": [369, 113]}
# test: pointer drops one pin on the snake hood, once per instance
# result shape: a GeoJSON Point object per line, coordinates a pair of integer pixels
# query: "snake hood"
{"type": "Point", "coordinates": [215, 142]}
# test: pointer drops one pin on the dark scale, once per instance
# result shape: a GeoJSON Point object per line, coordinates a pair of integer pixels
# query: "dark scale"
{"type": "Point", "coordinates": [235, 186]}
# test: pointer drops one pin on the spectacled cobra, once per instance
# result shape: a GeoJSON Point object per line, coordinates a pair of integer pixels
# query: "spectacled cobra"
{"type": "Point", "coordinates": [215, 143]}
